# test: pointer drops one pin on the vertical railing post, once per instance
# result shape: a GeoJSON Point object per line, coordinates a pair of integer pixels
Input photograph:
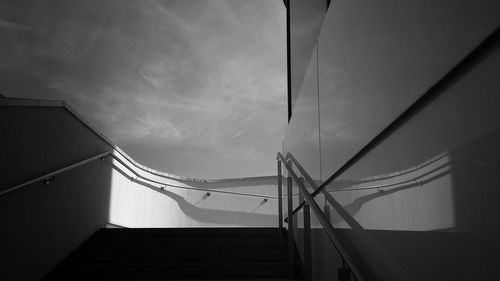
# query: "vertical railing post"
{"type": "Point", "coordinates": [301, 196]}
{"type": "Point", "coordinates": [307, 243]}
{"type": "Point", "coordinates": [280, 198]}
{"type": "Point", "coordinates": [327, 212]}
{"type": "Point", "coordinates": [290, 223]}
{"type": "Point", "coordinates": [296, 222]}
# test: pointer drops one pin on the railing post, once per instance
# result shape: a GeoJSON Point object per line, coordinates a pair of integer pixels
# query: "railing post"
{"type": "Point", "coordinates": [327, 212]}
{"type": "Point", "coordinates": [307, 243]}
{"type": "Point", "coordinates": [290, 226]}
{"type": "Point", "coordinates": [280, 198]}
{"type": "Point", "coordinates": [297, 216]}
{"type": "Point", "coordinates": [301, 196]}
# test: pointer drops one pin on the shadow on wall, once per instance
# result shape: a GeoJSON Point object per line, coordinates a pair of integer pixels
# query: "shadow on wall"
{"type": "Point", "coordinates": [476, 182]}
{"type": "Point", "coordinates": [232, 183]}
{"type": "Point", "coordinates": [355, 206]}
{"type": "Point", "coordinates": [208, 215]}
{"type": "Point", "coordinates": [475, 177]}
{"type": "Point", "coordinates": [42, 224]}
{"type": "Point", "coordinates": [467, 250]}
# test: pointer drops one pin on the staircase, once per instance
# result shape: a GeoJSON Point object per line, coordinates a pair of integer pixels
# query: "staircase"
{"type": "Point", "coordinates": [178, 253]}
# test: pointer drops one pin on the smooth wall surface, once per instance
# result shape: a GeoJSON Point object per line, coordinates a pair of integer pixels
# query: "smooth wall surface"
{"type": "Point", "coordinates": [425, 193]}
{"type": "Point", "coordinates": [37, 140]}
{"type": "Point", "coordinates": [137, 202]}
{"type": "Point", "coordinates": [371, 61]}
{"type": "Point", "coordinates": [306, 19]}
{"type": "Point", "coordinates": [42, 224]}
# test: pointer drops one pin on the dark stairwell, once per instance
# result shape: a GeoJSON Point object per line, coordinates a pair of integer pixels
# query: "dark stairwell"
{"type": "Point", "coordinates": [178, 253]}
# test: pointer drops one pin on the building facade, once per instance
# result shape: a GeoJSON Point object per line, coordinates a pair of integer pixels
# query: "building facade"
{"type": "Point", "coordinates": [395, 105]}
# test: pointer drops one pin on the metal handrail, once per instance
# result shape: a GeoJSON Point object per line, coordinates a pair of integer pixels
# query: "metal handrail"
{"type": "Point", "coordinates": [386, 265]}
{"type": "Point", "coordinates": [380, 187]}
{"type": "Point", "coordinates": [106, 154]}
{"type": "Point", "coordinates": [397, 173]}
{"type": "Point", "coordinates": [334, 237]}
{"type": "Point", "coordinates": [54, 173]}
{"type": "Point", "coordinates": [340, 210]}
{"type": "Point", "coordinates": [414, 180]}
{"type": "Point", "coordinates": [56, 103]}
{"type": "Point", "coordinates": [186, 187]}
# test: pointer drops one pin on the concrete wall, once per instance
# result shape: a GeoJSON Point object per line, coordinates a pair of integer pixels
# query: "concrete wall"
{"type": "Point", "coordinates": [137, 202]}
{"type": "Point", "coordinates": [37, 140]}
{"type": "Point", "coordinates": [42, 224]}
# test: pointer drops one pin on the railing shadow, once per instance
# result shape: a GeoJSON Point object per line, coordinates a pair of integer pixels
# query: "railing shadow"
{"type": "Point", "coordinates": [205, 215]}
{"type": "Point", "coordinates": [355, 206]}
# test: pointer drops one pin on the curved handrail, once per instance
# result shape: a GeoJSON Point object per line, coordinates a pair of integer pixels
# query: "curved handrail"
{"type": "Point", "coordinates": [324, 222]}
{"type": "Point", "coordinates": [416, 180]}
{"type": "Point", "coordinates": [386, 264]}
{"type": "Point", "coordinates": [379, 187]}
{"type": "Point", "coordinates": [6, 101]}
{"type": "Point", "coordinates": [106, 154]}
{"type": "Point", "coordinates": [420, 166]}
{"type": "Point", "coordinates": [413, 180]}
{"type": "Point", "coordinates": [397, 173]}
{"type": "Point", "coordinates": [54, 173]}
{"type": "Point", "coordinates": [186, 187]}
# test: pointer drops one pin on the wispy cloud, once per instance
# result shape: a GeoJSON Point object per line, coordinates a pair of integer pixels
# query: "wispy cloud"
{"type": "Point", "coordinates": [13, 25]}
{"type": "Point", "coordinates": [201, 77]}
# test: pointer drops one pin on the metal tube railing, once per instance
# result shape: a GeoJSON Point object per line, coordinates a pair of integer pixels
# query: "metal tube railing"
{"type": "Point", "coordinates": [321, 218]}
{"type": "Point", "coordinates": [387, 268]}
{"type": "Point", "coordinates": [340, 210]}
{"type": "Point", "coordinates": [280, 197]}
{"type": "Point", "coordinates": [186, 187]}
{"type": "Point", "coordinates": [47, 176]}
{"type": "Point", "coordinates": [106, 154]}
{"type": "Point", "coordinates": [413, 181]}
{"type": "Point", "coordinates": [307, 243]}
{"type": "Point", "coordinates": [291, 248]}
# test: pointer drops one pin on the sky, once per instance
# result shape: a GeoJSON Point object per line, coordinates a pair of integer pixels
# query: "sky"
{"type": "Point", "coordinates": [194, 88]}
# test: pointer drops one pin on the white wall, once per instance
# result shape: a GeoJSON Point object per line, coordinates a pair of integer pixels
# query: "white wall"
{"type": "Point", "coordinates": [142, 203]}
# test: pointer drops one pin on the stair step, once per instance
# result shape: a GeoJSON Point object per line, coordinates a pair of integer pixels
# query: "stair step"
{"type": "Point", "coordinates": [183, 279]}
{"type": "Point", "coordinates": [178, 254]}
{"type": "Point", "coordinates": [232, 279]}
{"type": "Point", "coordinates": [182, 245]}
{"type": "Point", "coordinates": [189, 232]}
{"type": "Point", "coordinates": [186, 243]}
{"type": "Point", "coordinates": [169, 271]}
{"type": "Point", "coordinates": [191, 255]}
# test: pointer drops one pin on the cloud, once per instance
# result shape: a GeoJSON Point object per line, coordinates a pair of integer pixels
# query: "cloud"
{"type": "Point", "coordinates": [201, 76]}
{"type": "Point", "coordinates": [12, 25]}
